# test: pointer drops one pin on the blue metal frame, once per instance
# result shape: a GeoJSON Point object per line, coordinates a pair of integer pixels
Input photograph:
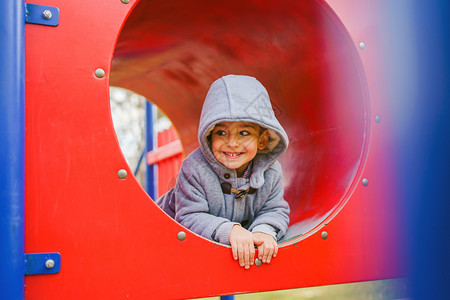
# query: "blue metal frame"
{"type": "Point", "coordinates": [12, 153]}
{"type": "Point", "coordinates": [42, 263]}
{"type": "Point", "coordinates": [151, 144]}
{"type": "Point", "coordinates": [138, 165]}
{"type": "Point", "coordinates": [35, 14]}
{"type": "Point", "coordinates": [425, 147]}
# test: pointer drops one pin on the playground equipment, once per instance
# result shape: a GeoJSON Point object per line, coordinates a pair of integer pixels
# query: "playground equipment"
{"type": "Point", "coordinates": [319, 64]}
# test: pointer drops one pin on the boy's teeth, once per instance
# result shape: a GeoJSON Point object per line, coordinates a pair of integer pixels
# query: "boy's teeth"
{"type": "Point", "coordinates": [232, 154]}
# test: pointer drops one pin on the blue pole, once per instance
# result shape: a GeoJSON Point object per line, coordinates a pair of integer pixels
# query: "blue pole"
{"type": "Point", "coordinates": [151, 144]}
{"type": "Point", "coordinates": [424, 154]}
{"type": "Point", "coordinates": [12, 125]}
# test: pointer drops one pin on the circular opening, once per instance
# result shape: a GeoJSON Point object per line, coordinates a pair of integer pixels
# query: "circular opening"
{"type": "Point", "coordinates": [171, 51]}
{"type": "Point", "coordinates": [129, 117]}
{"type": "Point", "coordinates": [142, 131]}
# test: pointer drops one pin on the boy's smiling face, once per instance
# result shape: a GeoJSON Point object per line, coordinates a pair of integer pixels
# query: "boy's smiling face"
{"type": "Point", "coordinates": [235, 144]}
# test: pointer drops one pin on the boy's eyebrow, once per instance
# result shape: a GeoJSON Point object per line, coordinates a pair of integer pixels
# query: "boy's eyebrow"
{"type": "Point", "coordinates": [252, 126]}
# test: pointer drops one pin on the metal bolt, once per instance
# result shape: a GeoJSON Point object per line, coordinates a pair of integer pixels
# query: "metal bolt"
{"type": "Point", "coordinates": [46, 14]}
{"type": "Point", "coordinates": [100, 73]}
{"type": "Point", "coordinates": [362, 46]}
{"type": "Point", "coordinates": [181, 235]}
{"type": "Point", "coordinates": [377, 119]}
{"type": "Point", "coordinates": [258, 262]}
{"type": "Point", "coordinates": [324, 235]}
{"type": "Point", "coordinates": [122, 174]}
{"type": "Point", "coordinates": [365, 182]}
{"type": "Point", "coordinates": [125, 1]}
{"type": "Point", "coordinates": [49, 263]}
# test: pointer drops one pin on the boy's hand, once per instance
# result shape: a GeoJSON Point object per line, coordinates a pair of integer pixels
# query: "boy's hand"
{"type": "Point", "coordinates": [267, 246]}
{"type": "Point", "coordinates": [241, 241]}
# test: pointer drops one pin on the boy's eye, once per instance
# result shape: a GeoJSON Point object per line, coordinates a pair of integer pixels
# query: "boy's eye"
{"type": "Point", "coordinates": [220, 132]}
{"type": "Point", "coordinates": [244, 132]}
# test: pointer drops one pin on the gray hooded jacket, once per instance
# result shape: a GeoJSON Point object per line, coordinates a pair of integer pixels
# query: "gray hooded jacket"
{"type": "Point", "coordinates": [198, 200]}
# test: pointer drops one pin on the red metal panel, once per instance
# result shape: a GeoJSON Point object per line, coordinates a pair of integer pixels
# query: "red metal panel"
{"type": "Point", "coordinates": [168, 167]}
{"type": "Point", "coordinates": [114, 241]}
{"type": "Point", "coordinates": [164, 152]}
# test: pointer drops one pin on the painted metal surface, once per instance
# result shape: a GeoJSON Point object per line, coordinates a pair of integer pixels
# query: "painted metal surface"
{"type": "Point", "coordinates": [41, 14]}
{"type": "Point", "coordinates": [12, 137]}
{"type": "Point", "coordinates": [169, 157]}
{"type": "Point", "coordinates": [423, 156]}
{"type": "Point", "coordinates": [307, 55]}
{"type": "Point", "coordinates": [164, 152]}
{"type": "Point", "coordinates": [42, 263]}
{"type": "Point", "coordinates": [150, 144]}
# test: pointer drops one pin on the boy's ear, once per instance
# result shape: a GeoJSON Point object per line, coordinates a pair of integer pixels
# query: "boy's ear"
{"type": "Point", "coordinates": [263, 140]}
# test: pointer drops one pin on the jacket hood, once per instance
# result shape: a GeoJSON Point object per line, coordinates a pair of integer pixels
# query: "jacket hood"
{"type": "Point", "coordinates": [234, 98]}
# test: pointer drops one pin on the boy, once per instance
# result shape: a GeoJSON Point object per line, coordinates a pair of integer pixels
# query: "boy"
{"type": "Point", "coordinates": [229, 190]}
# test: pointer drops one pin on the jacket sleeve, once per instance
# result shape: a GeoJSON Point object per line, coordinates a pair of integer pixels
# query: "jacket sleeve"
{"type": "Point", "coordinates": [192, 207]}
{"type": "Point", "coordinates": [273, 217]}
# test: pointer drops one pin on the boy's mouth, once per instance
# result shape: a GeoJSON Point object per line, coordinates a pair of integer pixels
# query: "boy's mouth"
{"type": "Point", "coordinates": [233, 154]}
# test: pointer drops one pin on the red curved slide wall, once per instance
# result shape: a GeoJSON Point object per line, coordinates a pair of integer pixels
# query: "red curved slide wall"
{"type": "Point", "coordinates": [114, 241]}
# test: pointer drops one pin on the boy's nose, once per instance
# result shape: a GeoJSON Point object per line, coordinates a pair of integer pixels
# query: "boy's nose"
{"type": "Point", "coordinates": [233, 141]}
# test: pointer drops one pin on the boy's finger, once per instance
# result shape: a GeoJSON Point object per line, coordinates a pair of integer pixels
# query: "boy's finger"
{"type": "Point", "coordinates": [241, 254]}
{"type": "Point", "coordinates": [234, 250]}
{"type": "Point", "coordinates": [269, 255]}
{"type": "Point", "coordinates": [275, 252]}
{"type": "Point", "coordinates": [266, 254]}
{"type": "Point", "coordinates": [252, 254]}
{"type": "Point", "coordinates": [257, 241]}
{"type": "Point", "coordinates": [247, 256]}
{"type": "Point", "coordinates": [261, 252]}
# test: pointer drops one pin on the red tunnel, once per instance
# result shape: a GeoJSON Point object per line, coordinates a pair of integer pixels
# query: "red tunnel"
{"type": "Point", "coordinates": [171, 51]}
